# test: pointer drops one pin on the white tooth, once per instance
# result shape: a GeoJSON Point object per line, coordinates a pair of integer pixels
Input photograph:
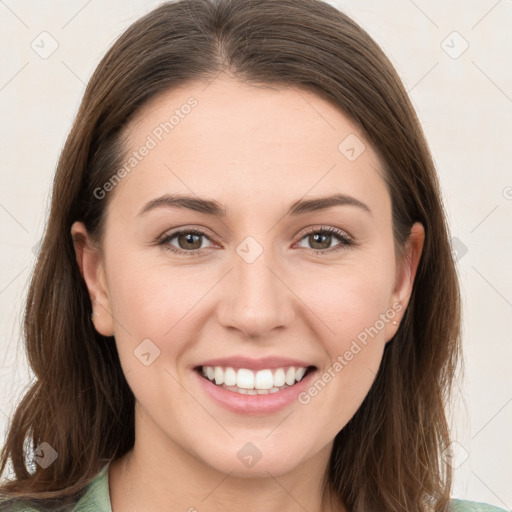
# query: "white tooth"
{"type": "Point", "coordinates": [264, 379]}
{"type": "Point", "coordinates": [219, 375]}
{"type": "Point", "coordinates": [279, 378]}
{"type": "Point", "coordinates": [230, 377]}
{"type": "Point", "coordinates": [299, 374]}
{"type": "Point", "coordinates": [245, 379]}
{"type": "Point", "coordinates": [290, 376]}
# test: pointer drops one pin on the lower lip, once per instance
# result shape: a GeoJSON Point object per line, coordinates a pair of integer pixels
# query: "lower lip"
{"type": "Point", "coordinates": [254, 404]}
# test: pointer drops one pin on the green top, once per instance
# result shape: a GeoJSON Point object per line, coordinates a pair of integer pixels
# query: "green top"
{"type": "Point", "coordinates": [97, 499]}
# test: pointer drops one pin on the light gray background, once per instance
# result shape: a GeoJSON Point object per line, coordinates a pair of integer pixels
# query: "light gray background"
{"type": "Point", "coordinates": [464, 101]}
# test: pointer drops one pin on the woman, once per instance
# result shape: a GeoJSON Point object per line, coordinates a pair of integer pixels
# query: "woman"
{"type": "Point", "coordinates": [245, 297]}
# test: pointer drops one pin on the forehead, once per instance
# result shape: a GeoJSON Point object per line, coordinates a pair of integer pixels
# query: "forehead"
{"type": "Point", "coordinates": [242, 143]}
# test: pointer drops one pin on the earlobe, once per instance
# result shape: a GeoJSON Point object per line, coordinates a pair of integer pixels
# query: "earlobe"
{"type": "Point", "coordinates": [92, 270]}
{"type": "Point", "coordinates": [406, 274]}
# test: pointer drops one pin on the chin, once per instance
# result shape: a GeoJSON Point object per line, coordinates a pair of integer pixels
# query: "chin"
{"type": "Point", "coordinates": [253, 459]}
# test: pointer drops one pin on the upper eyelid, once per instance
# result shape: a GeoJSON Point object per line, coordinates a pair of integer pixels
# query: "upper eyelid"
{"type": "Point", "coordinates": [187, 229]}
{"type": "Point", "coordinates": [331, 229]}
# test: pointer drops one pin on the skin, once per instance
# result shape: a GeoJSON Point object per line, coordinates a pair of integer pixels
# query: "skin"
{"type": "Point", "coordinates": [255, 150]}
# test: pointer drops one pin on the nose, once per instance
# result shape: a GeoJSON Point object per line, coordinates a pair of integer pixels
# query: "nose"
{"type": "Point", "coordinates": [256, 299]}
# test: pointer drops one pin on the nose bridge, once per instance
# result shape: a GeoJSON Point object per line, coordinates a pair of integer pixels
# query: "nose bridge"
{"type": "Point", "coordinates": [257, 301]}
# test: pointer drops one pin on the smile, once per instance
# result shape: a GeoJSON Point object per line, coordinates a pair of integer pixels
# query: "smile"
{"type": "Point", "coordinates": [248, 382]}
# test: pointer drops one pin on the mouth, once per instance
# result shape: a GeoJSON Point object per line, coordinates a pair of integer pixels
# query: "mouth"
{"type": "Point", "coordinates": [245, 381]}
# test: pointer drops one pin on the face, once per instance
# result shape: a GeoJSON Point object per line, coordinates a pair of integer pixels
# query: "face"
{"type": "Point", "coordinates": [268, 285]}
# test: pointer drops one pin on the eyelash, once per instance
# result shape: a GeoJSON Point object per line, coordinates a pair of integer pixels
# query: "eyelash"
{"type": "Point", "coordinates": [345, 240]}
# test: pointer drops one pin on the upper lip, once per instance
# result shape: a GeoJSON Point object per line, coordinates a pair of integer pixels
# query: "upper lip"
{"type": "Point", "coordinates": [262, 363]}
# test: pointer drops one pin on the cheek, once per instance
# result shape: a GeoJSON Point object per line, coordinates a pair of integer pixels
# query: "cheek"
{"type": "Point", "coordinates": [154, 301]}
{"type": "Point", "coordinates": [352, 302]}
{"type": "Point", "coordinates": [160, 302]}
{"type": "Point", "coordinates": [354, 309]}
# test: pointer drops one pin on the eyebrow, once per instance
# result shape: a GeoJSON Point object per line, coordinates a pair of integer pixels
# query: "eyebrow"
{"type": "Point", "coordinates": [212, 207]}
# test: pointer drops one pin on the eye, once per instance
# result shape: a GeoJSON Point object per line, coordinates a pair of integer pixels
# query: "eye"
{"type": "Point", "coordinates": [321, 238]}
{"type": "Point", "coordinates": [189, 242]}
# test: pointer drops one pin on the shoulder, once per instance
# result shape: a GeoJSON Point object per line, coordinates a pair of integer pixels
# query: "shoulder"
{"type": "Point", "coordinates": [96, 498]}
{"type": "Point", "coordinates": [472, 506]}
{"type": "Point", "coordinates": [16, 506]}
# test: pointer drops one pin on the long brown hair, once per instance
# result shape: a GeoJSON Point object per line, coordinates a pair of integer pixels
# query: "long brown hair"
{"type": "Point", "coordinates": [388, 457]}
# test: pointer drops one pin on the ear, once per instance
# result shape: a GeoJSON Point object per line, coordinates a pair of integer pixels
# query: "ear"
{"type": "Point", "coordinates": [404, 279]}
{"type": "Point", "coordinates": [89, 260]}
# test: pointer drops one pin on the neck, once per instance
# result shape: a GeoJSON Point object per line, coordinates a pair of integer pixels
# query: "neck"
{"type": "Point", "coordinates": [151, 478]}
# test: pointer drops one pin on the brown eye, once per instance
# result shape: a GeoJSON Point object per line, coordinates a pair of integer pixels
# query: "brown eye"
{"type": "Point", "coordinates": [188, 242]}
{"type": "Point", "coordinates": [320, 240]}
